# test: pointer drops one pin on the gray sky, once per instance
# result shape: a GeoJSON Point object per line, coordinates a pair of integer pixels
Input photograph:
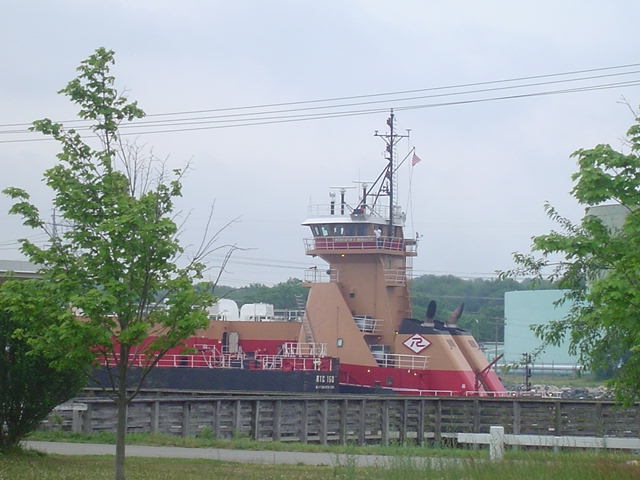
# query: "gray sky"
{"type": "Point", "coordinates": [488, 166]}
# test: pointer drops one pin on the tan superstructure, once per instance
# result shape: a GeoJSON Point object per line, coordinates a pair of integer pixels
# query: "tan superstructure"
{"type": "Point", "coordinates": [360, 306]}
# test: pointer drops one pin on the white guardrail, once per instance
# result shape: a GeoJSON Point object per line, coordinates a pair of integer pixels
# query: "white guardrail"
{"type": "Point", "coordinates": [497, 440]}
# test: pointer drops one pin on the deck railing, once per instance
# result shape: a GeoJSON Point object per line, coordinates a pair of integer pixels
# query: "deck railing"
{"type": "Point", "coordinates": [401, 361]}
{"type": "Point", "coordinates": [368, 324]}
{"type": "Point", "coordinates": [293, 355]}
{"type": "Point", "coordinates": [318, 275]}
{"type": "Point", "coordinates": [395, 276]}
{"type": "Point", "coordinates": [302, 349]}
{"type": "Point", "coordinates": [358, 244]}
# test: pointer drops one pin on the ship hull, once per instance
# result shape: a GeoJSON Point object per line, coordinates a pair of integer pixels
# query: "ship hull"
{"type": "Point", "coordinates": [440, 383]}
{"type": "Point", "coordinates": [231, 379]}
{"type": "Point", "coordinates": [364, 379]}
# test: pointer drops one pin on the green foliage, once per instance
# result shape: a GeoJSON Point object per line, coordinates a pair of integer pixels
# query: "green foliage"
{"type": "Point", "coordinates": [115, 259]}
{"type": "Point", "coordinates": [289, 295]}
{"type": "Point", "coordinates": [483, 302]}
{"type": "Point", "coordinates": [283, 295]}
{"type": "Point", "coordinates": [600, 265]}
{"type": "Point", "coordinates": [29, 385]}
{"type": "Point", "coordinates": [483, 299]}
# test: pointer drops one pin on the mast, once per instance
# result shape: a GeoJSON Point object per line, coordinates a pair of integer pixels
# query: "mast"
{"type": "Point", "coordinates": [391, 139]}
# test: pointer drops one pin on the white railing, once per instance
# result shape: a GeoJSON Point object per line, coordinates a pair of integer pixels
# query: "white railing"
{"type": "Point", "coordinates": [229, 360]}
{"type": "Point", "coordinates": [287, 315]}
{"type": "Point", "coordinates": [368, 324]}
{"type": "Point", "coordinates": [201, 360]}
{"type": "Point", "coordinates": [299, 349]}
{"type": "Point", "coordinates": [401, 361]}
{"type": "Point", "coordinates": [379, 212]}
{"type": "Point", "coordinates": [280, 362]}
{"type": "Point", "coordinates": [497, 440]}
{"type": "Point", "coordinates": [240, 361]}
{"type": "Point", "coordinates": [395, 276]}
{"type": "Point", "coordinates": [270, 362]}
{"type": "Point", "coordinates": [318, 275]}
{"type": "Point", "coordinates": [455, 393]}
{"type": "Point", "coordinates": [300, 356]}
{"type": "Point", "coordinates": [324, 210]}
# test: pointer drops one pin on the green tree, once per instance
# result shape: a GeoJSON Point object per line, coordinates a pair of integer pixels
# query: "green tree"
{"type": "Point", "coordinates": [599, 265]}
{"type": "Point", "coordinates": [483, 302]}
{"type": "Point", "coordinates": [30, 386]}
{"type": "Point", "coordinates": [115, 260]}
{"type": "Point", "coordinates": [289, 294]}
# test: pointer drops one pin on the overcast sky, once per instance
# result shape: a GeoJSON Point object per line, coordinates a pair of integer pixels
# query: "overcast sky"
{"type": "Point", "coordinates": [488, 164]}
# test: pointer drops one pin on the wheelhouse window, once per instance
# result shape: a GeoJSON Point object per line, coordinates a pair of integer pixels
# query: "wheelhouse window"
{"type": "Point", "coordinates": [340, 230]}
{"type": "Point", "coordinates": [320, 230]}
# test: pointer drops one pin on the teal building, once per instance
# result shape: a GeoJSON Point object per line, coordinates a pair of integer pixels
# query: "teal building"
{"type": "Point", "coordinates": [524, 309]}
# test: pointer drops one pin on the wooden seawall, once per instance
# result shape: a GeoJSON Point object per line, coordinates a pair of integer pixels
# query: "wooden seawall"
{"type": "Point", "coordinates": [350, 418]}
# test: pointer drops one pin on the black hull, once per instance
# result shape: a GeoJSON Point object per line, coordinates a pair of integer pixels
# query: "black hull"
{"type": "Point", "coordinates": [225, 379]}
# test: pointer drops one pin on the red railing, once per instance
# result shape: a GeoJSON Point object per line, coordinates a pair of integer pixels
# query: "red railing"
{"type": "Point", "coordinates": [394, 244]}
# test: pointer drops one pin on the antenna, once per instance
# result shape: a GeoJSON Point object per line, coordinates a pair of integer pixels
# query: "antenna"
{"type": "Point", "coordinates": [343, 202]}
{"type": "Point", "coordinates": [391, 139]}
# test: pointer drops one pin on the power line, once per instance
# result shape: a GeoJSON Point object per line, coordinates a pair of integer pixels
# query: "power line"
{"type": "Point", "coordinates": [211, 125]}
{"type": "Point", "coordinates": [268, 117]}
{"type": "Point", "coordinates": [302, 265]}
{"type": "Point", "coordinates": [243, 116]}
{"type": "Point", "coordinates": [400, 92]}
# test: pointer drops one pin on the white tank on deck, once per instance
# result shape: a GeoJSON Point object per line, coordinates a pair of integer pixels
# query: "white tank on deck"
{"type": "Point", "coordinates": [257, 312]}
{"type": "Point", "coordinates": [224, 309]}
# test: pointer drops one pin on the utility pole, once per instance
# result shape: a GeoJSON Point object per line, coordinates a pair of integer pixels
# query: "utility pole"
{"type": "Point", "coordinates": [526, 362]}
{"type": "Point", "coordinates": [54, 227]}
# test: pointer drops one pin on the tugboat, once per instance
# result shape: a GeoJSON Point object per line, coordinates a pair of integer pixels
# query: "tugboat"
{"type": "Point", "coordinates": [356, 334]}
{"type": "Point", "coordinates": [361, 307]}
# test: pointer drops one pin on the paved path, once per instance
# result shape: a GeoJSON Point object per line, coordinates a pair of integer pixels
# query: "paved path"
{"type": "Point", "coordinates": [243, 456]}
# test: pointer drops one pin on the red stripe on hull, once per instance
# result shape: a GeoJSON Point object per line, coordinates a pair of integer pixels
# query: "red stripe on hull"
{"type": "Point", "coordinates": [411, 382]}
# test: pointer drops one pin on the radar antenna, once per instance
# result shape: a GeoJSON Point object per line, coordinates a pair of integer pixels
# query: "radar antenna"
{"type": "Point", "coordinates": [343, 202]}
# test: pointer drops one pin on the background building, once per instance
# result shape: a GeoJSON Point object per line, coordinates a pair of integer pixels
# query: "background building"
{"type": "Point", "coordinates": [524, 309]}
{"type": "Point", "coordinates": [612, 216]}
{"type": "Point", "coordinates": [17, 269]}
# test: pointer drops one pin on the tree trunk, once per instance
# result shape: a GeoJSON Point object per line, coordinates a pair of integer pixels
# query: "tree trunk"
{"type": "Point", "coordinates": [121, 406]}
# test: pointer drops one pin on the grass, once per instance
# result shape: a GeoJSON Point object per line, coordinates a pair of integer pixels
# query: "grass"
{"type": "Point", "coordinates": [27, 465]}
{"type": "Point", "coordinates": [404, 462]}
